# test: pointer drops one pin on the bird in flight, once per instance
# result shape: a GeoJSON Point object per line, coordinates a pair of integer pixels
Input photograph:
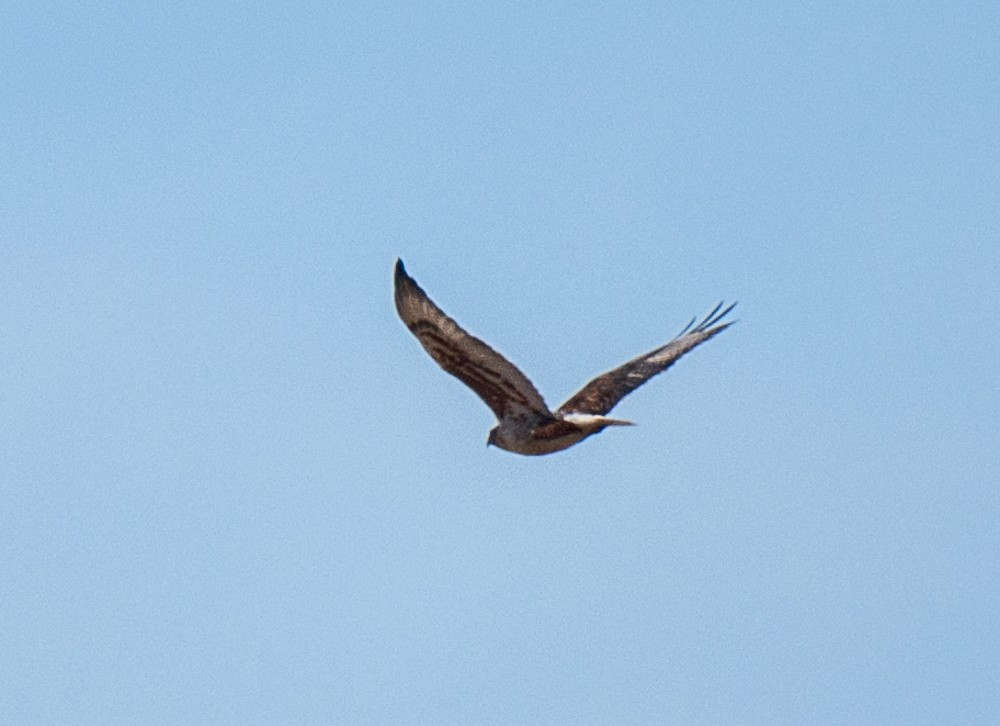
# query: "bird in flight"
{"type": "Point", "coordinates": [525, 425]}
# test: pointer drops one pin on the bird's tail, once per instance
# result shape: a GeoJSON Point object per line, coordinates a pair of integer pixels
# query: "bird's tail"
{"type": "Point", "coordinates": [593, 419]}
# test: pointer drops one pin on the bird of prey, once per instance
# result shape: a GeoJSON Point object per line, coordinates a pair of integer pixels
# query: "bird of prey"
{"type": "Point", "coordinates": [525, 425]}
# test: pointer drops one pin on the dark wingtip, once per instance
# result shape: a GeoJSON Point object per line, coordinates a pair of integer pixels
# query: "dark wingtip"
{"type": "Point", "coordinates": [404, 284]}
{"type": "Point", "coordinates": [724, 313]}
{"type": "Point", "coordinates": [715, 317]}
{"type": "Point", "coordinates": [400, 275]}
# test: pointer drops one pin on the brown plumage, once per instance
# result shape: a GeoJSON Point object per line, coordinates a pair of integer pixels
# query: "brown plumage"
{"type": "Point", "coordinates": [525, 425]}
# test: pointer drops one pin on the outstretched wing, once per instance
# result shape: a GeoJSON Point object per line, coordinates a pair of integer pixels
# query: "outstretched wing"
{"type": "Point", "coordinates": [503, 387]}
{"type": "Point", "coordinates": [604, 392]}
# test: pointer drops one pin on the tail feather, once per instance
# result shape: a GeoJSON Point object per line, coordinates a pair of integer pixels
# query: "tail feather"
{"type": "Point", "coordinates": [618, 422]}
{"type": "Point", "coordinates": [589, 419]}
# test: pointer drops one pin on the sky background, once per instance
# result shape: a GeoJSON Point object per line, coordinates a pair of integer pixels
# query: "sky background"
{"type": "Point", "coordinates": [234, 489]}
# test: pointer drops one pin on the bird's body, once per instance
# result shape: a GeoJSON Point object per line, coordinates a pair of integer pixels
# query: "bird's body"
{"type": "Point", "coordinates": [525, 425]}
{"type": "Point", "coordinates": [545, 435]}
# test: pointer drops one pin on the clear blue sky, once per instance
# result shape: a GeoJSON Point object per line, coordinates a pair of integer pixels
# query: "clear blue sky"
{"type": "Point", "coordinates": [234, 490]}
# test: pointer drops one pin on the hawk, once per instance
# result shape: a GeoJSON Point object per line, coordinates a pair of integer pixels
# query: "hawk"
{"type": "Point", "coordinates": [525, 425]}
